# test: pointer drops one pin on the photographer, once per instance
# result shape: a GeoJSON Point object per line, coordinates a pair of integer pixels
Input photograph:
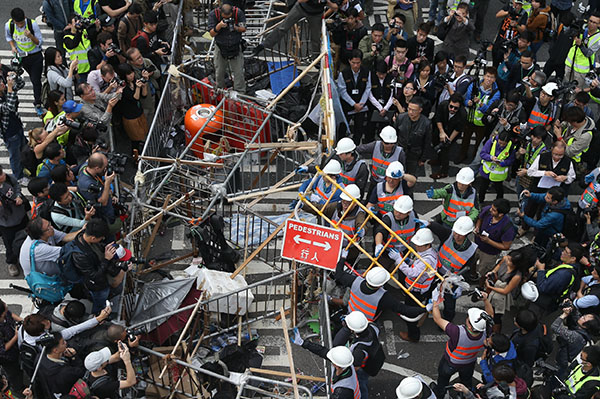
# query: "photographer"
{"type": "Point", "coordinates": [399, 66]}
{"type": "Point", "coordinates": [69, 212]}
{"type": "Point", "coordinates": [588, 296]}
{"type": "Point", "coordinates": [95, 187]}
{"type": "Point", "coordinates": [134, 120]}
{"type": "Point", "coordinates": [25, 39]}
{"type": "Point", "coordinates": [459, 80]}
{"type": "Point", "coordinates": [522, 71]}
{"type": "Point", "coordinates": [584, 378]}
{"type": "Point", "coordinates": [576, 134]}
{"type": "Point", "coordinates": [515, 17]}
{"type": "Point", "coordinates": [97, 108]}
{"type": "Point", "coordinates": [103, 80]}
{"type": "Point", "coordinates": [13, 217]}
{"type": "Point", "coordinates": [105, 53]}
{"type": "Point", "coordinates": [11, 127]}
{"type": "Point", "coordinates": [505, 384]}
{"type": "Point", "coordinates": [580, 58]}
{"type": "Point", "coordinates": [458, 29]}
{"type": "Point", "coordinates": [53, 156]}
{"type": "Point", "coordinates": [552, 218]}
{"type": "Point", "coordinates": [148, 43]}
{"type": "Point", "coordinates": [573, 332]}
{"type": "Point", "coordinates": [374, 46]}
{"type": "Point", "coordinates": [346, 38]}
{"type": "Point", "coordinates": [497, 155]}
{"type": "Point", "coordinates": [101, 383]}
{"type": "Point", "coordinates": [545, 109]}
{"type": "Point", "coordinates": [139, 65]}
{"type": "Point", "coordinates": [560, 47]}
{"type": "Point", "coordinates": [526, 156]}
{"type": "Point", "coordinates": [449, 120]}
{"type": "Point", "coordinates": [59, 77]}
{"type": "Point", "coordinates": [396, 30]}
{"type": "Point", "coordinates": [59, 369]}
{"type": "Point", "coordinates": [77, 44]}
{"type": "Point", "coordinates": [498, 348]}
{"type": "Point", "coordinates": [226, 24]}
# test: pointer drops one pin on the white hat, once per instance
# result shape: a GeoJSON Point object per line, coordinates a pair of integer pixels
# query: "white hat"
{"type": "Point", "coordinates": [95, 360]}
{"type": "Point", "coordinates": [388, 135]}
{"type": "Point", "coordinates": [463, 226]}
{"type": "Point", "coordinates": [549, 88]}
{"type": "Point", "coordinates": [409, 388]}
{"type": "Point", "coordinates": [333, 167]}
{"type": "Point", "coordinates": [340, 356]}
{"type": "Point", "coordinates": [422, 237]}
{"type": "Point", "coordinates": [404, 204]}
{"type": "Point", "coordinates": [377, 276]}
{"type": "Point", "coordinates": [356, 321]}
{"type": "Point", "coordinates": [465, 176]}
{"type": "Point", "coordinates": [345, 146]}
{"type": "Point", "coordinates": [353, 190]}
{"type": "Point", "coordinates": [395, 170]}
{"type": "Point", "coordinates": [530, 291]}
{"type": "Point", "coordinates": [476, 320]}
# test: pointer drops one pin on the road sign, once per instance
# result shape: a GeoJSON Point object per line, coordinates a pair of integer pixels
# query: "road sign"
{"type": "Point", "coordinates": [312, 244]}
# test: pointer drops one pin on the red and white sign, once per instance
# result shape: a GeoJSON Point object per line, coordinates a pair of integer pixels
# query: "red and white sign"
{"type": "Point", "coordinates": [312, 244]}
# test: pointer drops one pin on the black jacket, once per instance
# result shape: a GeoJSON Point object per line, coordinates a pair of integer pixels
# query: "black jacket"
{"type": "Point", "coordinates": [414, 137]}
{"type": "Point", "coordinates": [57, 377]}
{"type": "Point", "coordinates": [94, 269]}
{"type": "Point", "coordinates": [442, 116]}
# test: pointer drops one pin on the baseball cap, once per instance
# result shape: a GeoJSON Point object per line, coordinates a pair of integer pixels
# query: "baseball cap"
{"type": "Point", "coordinates": [95, 360]}
{"type": "Point", "coordinates": [72, 106]}
{"type": "Point", "coordinates": [123, 254]}
{"type": "Point", "coordinates": [106, 20]}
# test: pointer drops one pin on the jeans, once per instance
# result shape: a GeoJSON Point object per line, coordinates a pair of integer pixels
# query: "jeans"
{"type": "Point", "coordinates": [33, 64]}
{"type": "Point", "coordinates": [445, 372]}
{"type": "Point", "coordinates": [437, 10]}
{"type": "Point", "coordinates": [14, 144]}
{"type": "Point", "coordinates": [99, 299]}
{"type": "Point", "coordinates": [363, 383]}
{"type": "Point", "coordinates": [449, 307]}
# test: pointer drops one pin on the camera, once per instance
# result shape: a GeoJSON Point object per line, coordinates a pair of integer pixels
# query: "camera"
{"type": "Point", "coordinates": [481, 58]}
{"type": "Point", "coordinates": [592, 209]}
{"type": "Point", "coordinates": [45, 339]}
{"type": "Point", "coordinates": [96, 125]}
{"type": "Point", "coordinates": [444, 144]}
{"type": "Point", "coordinates": [566, 304]}
{"type": "Point", "coordinates": [441, 79]}
{"type": "Point", "coordinates": [116, 163]}
{"type": "Point", "coordinates": [548, 253]}
{"type": "Point", "coordinates": [68, 122]}
{"type": "Point", "coordinates": [133, 332]}
{"type": "Point", "coordinates": [476, 295]}
{"type": "Point", "coordinates": [591, 76]}
{"type": "Point", "coordinates": [565, 88]}
{"type": "Point", "coordinates": [83, 23]}
{"type": "Point", "coordinates": [577, 28]}
{"type": "Point", "coordinates": [114, 48]}
{"type": "Point", "coordinates": [118, 82]}
{"type": "Point", "coordinates": [100, 143]}
{"type": "Point", "coordinates": [509, 44]}
{"type": "Point", "coordinates": [15, 66]}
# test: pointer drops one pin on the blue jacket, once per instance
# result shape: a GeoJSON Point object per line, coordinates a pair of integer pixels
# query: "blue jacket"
{"type": "Point", "coordinates": [54, 12]}
{"type": "Point", "coordinates": [486, 367]}
{"type": "Point", "coordinates": [495, 97]}
{"type": "Point", "coordinates": [550, 222]}
{"type": "Point", "coordinates": [556, 283]}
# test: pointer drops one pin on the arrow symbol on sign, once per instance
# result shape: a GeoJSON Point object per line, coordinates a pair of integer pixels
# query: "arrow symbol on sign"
{"type": "Point", "coordinates": [326, 246]}
{"type": "Point", "coordinates": [298, 240]}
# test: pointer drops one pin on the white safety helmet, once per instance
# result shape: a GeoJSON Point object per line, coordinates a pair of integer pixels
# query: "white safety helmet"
{"type": "Point", "coordinates": [340, 356]}
{"type": "Point", "coordinates": [463, 226]}
{"type": "Point", "coordinates": [530, 291]}
{"type": "Point", "coordinates": [353, 190]}
{"type": "Point", "coordinates": [357, 321]}
{"type": "Point", "coordinates": [377, 276]}
{"type": "Point", "coordinates": [549, 88]}
{"type": "Point", "coordinates": [422, 237]}
{"type": "Point", "coordinates": [388, 135]}
{"type": "Point", "coordinates": [333, 167]}
{"type": "Point", "coordinates": [465, 176]}
{"type": "Point", "coordinates": [345, 145]}
{"type": "Point", "coordinates": [409, 388]}
{"type": "Point", "coordinates": [403, 204]}
{"type": "Point", "coordinates": [395, 170]}
{"type": "Point", "coordinates": [476, 320]}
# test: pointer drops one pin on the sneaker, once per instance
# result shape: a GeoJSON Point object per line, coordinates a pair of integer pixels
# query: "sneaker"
{"type": "Point", "coordinates": [24, 181]}
{"type": "Point", "coordinates": [40, 111]}
{"type": "Point", "coordinates": [13, 270]}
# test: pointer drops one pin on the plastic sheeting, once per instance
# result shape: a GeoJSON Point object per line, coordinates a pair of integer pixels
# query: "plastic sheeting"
{"type": "Point", "coordinates": [160, 297]}
{"type": "Point", "coordinates": [259, 229]}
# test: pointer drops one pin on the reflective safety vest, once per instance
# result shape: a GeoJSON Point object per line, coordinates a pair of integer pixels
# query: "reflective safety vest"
{"type": "Point", "coordinates": [349, 176]}
{"type": "Point", "coordinates": [321, 191]}
{"type": "Point", "coordinates": [578, 61]}
{"type": "Point", "coordinates": [450, 259]}
{"type": "Point", "coordinates": [578, 377]}
{"type": "Point", "coordinates": [51, 121]}
{"type": "Point", "coordinates": [528, 160]}
{"type": "Point", "coordinates": [89, 10]}
{"type": "Point", "coordinates": [563, 266]}
{"type": "Point", "coordinates": [497, 172]}
{"type": "Point", "coordinates": [458, 206]}
{"type": "Point", "coordinates": [22, 42]}
{"type": "Point", "coordinates": [365, 303]}
{"type": "Point", "coordinates": [370, 345]}
{"type": "Point", "coordinates": [588, 197]}
{"type": "Point", "coordinates": [350, 382]}
{"type": "Point", "coordinates": [385, 201]}
{"type": "Point", "coordinates": [539, 117]}
{"type": "Point", "coordinates": [348, 225]}
{"type": "Point", "coordinates": [476, 117]}
{"type": "Point", "coordinates": [80, 52]}
{"type": "Point", "coordinates": [380, 163]}
{"type": "Point", "coordinates": [424, 282]}
{"type": "Point", "coordinates": [577, 157]}
{"type": "Point", "coordinates": [466, 348]}
{"type": "Point", "coordinates": [405, 230]}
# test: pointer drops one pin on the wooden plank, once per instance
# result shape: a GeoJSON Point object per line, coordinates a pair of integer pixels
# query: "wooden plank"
{"type": "Point", "coordinates": [264, 193]}
{"type": "Point", "coordinates": [288, 347]}
{"type": "Point", "coordinates": [284, 374]}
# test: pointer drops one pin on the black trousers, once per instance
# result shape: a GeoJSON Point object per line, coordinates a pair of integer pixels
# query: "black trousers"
{"type": "Point", "coordinates": [479, 10]}
{"type": "Point", "coordinates": [33, 64]}
{"type": "Point", "coordinates": [482, 185]}
{"type": "Point", "coordinates": [414, 332]}
{"type": "Point", "coordinates": [358, 129]}
{"type": "Point", "coordinates": [8, 237]}
{"type": "Point", "coordinates": [445, 372]}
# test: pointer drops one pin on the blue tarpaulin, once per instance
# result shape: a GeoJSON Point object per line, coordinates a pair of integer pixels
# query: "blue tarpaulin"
{"type": "Point", "coordinates": [282, 78]}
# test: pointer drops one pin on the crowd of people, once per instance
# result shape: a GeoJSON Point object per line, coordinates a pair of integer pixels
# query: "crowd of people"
{"type": "Point", "coordinates": [507, 123]}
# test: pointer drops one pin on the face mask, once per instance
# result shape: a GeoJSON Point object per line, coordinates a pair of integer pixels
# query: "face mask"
{"type": "Point", "coordinates": [578, 359]}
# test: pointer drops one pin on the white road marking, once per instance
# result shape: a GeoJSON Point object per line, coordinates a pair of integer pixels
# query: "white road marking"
{"type": "Point", "coordinates": [390, 338]}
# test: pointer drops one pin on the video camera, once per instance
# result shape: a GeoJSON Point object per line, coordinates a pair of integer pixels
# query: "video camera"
{"type": "Point", "coordinates": [115, 48]}
{"type": "Point", "coordinates": [481, 57]}
{"type": "Point", "coordinates": [545, 255]}
{"type": "Point", "coordinates": [82, 23]}
{"type": "Point", "coordinates": [507, 45]}
{"type": "Point", "coordinates": [116, 163]}
{"type": "Point", "coordinates": [565, 88]}
{"type": "Point", "coordinates": [577, 28]}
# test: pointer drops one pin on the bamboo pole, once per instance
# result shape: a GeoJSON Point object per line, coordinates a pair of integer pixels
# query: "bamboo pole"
{"type": "Point", "coordinates": [155, 228]}
{"type": "Point", "coordinates": [288, 347]}
{"type": "Point", "coordinates": [183, 161]}
{"type": "Point", "coordinates": [285, 374]}
{"type": "Point", "coordinates": [264, 193]}
{"type": "Point", "coordinates": [286, 146]}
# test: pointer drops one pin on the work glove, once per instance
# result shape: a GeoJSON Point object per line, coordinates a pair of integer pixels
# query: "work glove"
{"type": "Point", "coordinates": [302, 169]}
{"type": "Point", "coordinates": [590, 178]}
{"type": "Point", "coordinates": [361, 232]}
{"type": "Point", "coordinates": [435, 295]}
{"type": "Point", "coordinates": [292, 204]}
{"type": "Point", "coordinates": [397, 174]}
{"type": "Point", "coordinates": [378, 249]}
{"type": "Point", "coordinates": [522, 127]}
{"type": "Point", "coordinates": [429, 192]}
{"type": "Point", "coordinates": [344, 253]}
{"type": "Point", "coordinates": [296, 339]}
{"type": "Point", "coordinates": [395, 255]}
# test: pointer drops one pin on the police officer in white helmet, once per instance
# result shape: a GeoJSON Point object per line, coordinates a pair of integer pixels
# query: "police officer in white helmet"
{"type": "Point", "coordinates": [413, 388]}
{"type": "Point", "coordinates": [323, 190]}
{"type": "Point", "coordinates": [396, 184]}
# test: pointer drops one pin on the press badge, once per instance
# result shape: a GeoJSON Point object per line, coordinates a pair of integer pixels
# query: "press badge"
{"type": "Point", "coordinates": [354, 91]}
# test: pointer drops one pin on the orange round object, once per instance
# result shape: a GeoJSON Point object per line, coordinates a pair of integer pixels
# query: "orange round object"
{"type": "Point", "coordinates": [195, 118]}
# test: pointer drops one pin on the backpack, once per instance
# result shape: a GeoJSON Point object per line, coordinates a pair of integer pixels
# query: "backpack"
{"type": "Point", "coordinates": [137, 36]}
{"type": "Point", "coordinates": [12, 28]}
{"type": "Point", "coordinates": [28, 355]}
{"type": "Point", "coordinates": [68, 272]}
{"type": "Point", "coordinates": [45, 91]}
{"type": "Point", "coordinates": [28, 160]}
{"type": "Point", "coordinates": [570, 225]}
{"type": "Point", "coordinates": [43, 286]}
{"type": "Point", "coordinates": [42, 209]}
{"type": "Point", "coordinates": [546, 341]}
{"type": "Point", "coordinates": [82, 390]}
